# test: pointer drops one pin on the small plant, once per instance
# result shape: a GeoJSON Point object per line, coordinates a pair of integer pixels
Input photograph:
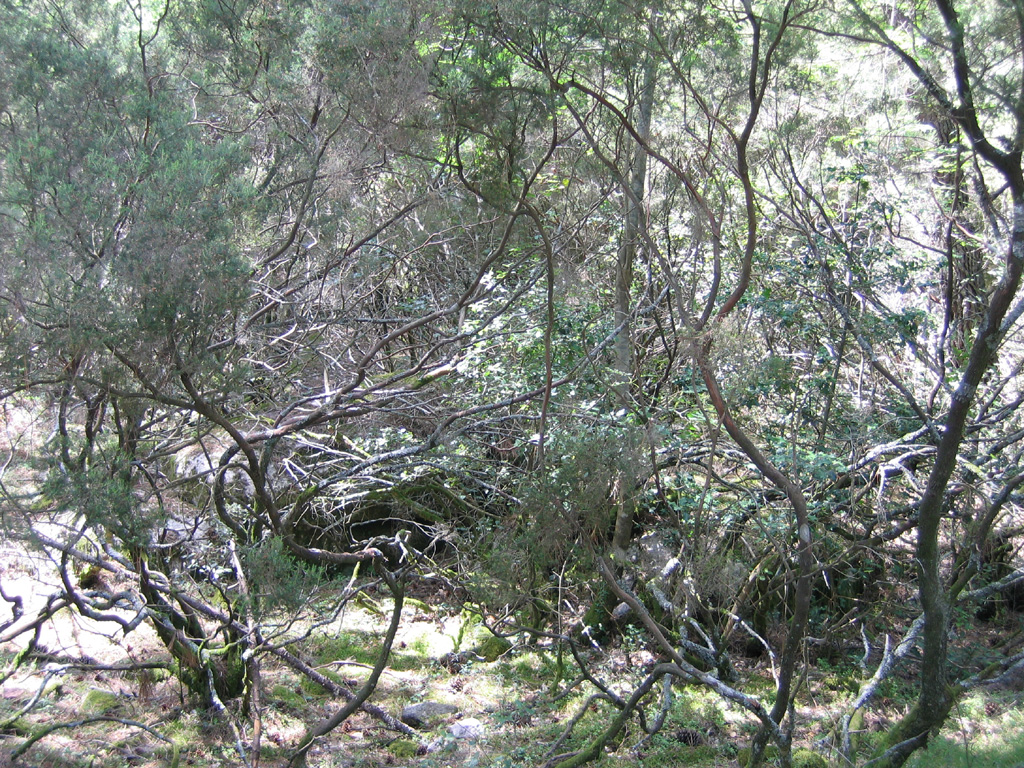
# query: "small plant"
{"type": "Point", "coordinates": [518, 714]}
{"type": "Point", "coordinates": [468, 622]}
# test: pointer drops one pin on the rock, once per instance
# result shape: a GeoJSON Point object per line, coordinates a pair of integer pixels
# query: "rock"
{"type": "Point", "coordinates": [620, 612]}
{"type": "Point", "coordinates": [805, 758]}
{"type": "Point", "coordinates": [493, 647]}
{"type": "Point", "coordinates": [470, 728]}
{"type": "Point", "coordinates": [420, 715]}
{"type": "Point", "coordinates": [96, 702]}
{"type": "Point", "coordinates": [29, 686]}
{"type": "Point", "coordinates": [403, 748]}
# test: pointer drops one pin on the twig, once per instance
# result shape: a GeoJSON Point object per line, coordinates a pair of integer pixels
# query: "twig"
{"type": "Point", "coordinates": [397, 588]}
{"type": "Point", "coordinates": [50, 673]}
{"type": "Point", "coordinates": [327, 684]}
{"type": "Point", "coordinates": [32, 740]}
{"type": "Point", "coordinates": [659, 721]}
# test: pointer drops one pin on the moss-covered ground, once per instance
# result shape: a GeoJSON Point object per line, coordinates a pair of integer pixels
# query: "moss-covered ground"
{"type": "Point", "coordinates": [144, 718]}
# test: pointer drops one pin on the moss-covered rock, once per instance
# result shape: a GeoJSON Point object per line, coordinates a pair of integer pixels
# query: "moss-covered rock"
{"type": "Point", "coordinates": [96, 702]}
{"type": "Point", "coordinates": [403, 748]}
{"type": "Point", "coordinates": [743, 755]}
{"type": "Point", "coordinates": [289, 697]}
{"type": "Point", "coordinates": [493, 647]}
{"type": "Point", "coordinates": [426, 713]}
{"type": "Point", "coordinates": [805, 758]}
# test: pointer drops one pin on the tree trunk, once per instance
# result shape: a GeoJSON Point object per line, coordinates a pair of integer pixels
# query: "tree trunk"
{"type": "Point", "coordinates": [631, 234]}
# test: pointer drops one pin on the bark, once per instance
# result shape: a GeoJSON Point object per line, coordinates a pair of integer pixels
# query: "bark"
{"type": "Point", "coordinates": [631, 236]}
{"type": "Point", "coordinates": [631, 233]}
{"type": "Point", "coordinates": [937, 696]}
{"type": "Point", "coordinates": [805, 568]}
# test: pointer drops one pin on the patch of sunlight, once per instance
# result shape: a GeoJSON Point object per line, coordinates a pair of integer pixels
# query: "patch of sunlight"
{"type": "Point", "coordinates": [986, 732]}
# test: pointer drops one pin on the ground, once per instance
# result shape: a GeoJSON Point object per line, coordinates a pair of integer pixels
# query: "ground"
{"type": "Point", "coordinates": [510, 697]}
{"type": "Point", "coordinates": [143, 717]}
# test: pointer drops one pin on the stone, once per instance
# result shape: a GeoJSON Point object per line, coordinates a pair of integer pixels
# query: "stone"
{"type": "Point", "coordinates": [29, 686]}
{"type": "Point", "coordinates": [421, 715]}
{"type": "Point", "coordinates": [805, 758]}
{"type": "Point", "coordinates": [96, 702]}
{"type": "Point", "coordinates": [403, 748]}
{"type": "Point", "coordinates": [620, 612]}
{"type": "Point", "coordinates": [493, 647]}
{"type": "Point", "coordinates": [470, 728]}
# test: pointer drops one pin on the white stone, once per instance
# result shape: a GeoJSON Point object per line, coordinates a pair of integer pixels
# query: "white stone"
{"type": "Point", "coordinates": [470, 728]}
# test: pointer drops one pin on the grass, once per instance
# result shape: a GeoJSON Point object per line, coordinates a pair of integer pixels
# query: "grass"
{"type": "Point", "coordinates": [512, 696]}
{"type": "Point", "coordinates": [985, 731]}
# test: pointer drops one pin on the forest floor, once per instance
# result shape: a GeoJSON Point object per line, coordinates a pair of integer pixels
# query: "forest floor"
{"type": "Point", "coordinates": [503, 712]}
{"type": "Point", "coordinates": [73, 707]}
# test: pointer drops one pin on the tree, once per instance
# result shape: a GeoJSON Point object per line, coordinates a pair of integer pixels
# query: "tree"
{"type": "Point", "coordinates": [307, 289]}
{"type": "Point", "coordinates": [229, 264]}
{"type": "Point", "coordinates": [981, 104]}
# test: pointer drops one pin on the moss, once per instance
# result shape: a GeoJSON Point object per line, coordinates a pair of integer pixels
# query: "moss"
{"type": "Point", "coordinates": [158, 674]}
{"type": "Point", "coordinates": [20, 727]}
{"type": "Point", "coordinates": [412, 602]}
{"type": "Point", "coordinates": [289, 697]}
{"type": "Point", "coordinates": [743, 755]}
{"type": "Point", "coordinates": [802, 758]}
{"type": "Point", "coordinates": [841, 683]}
{"type": "Point", "coordinates": [493, 647]}
{"type": "Point", "coordinates": [598, 616]}
{"type": "Point", "coordinates": [229, 671]}
{"type": "Point", "coordinates": [404, 748]}
{"type": "Point", "coordinates": [856, 729]}
{"type": "Point", "coordinates": [348, 645]}
{"type": "Point", "coordinates": [805, 758]}
{"type": "Point", "coordinates": [702, 754]}
{"type": "Point", "coordinates": [96, 702]}
{"type": "Point", "coordinates": [310, 688]}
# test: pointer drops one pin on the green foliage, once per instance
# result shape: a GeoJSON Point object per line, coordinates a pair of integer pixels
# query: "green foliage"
{"type": "Point", "coordinates": [121, 208]}
{"type": "Point", "coordinates": [103, 496]}
{"type": "Point", "coordinates": [278, 580]}
{"type": "Point", "coordinates": [957, 748]}
{"type": "Point", "coordinates": [698, 710]}
{"type": "Point", "coordinates": [568, 510]}
{"type": "Point", "coordinates": [322, 234]}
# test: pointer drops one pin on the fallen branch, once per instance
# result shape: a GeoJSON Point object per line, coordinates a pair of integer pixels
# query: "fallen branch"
{"type": "Point", "coordinates": [36, 737]}
{"type": "Point", "coordinates": [336, 689]}
{"type": "Point", "coordinates": [298, 759]}
{"type": "Point", "coordinates": [890, 658]}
